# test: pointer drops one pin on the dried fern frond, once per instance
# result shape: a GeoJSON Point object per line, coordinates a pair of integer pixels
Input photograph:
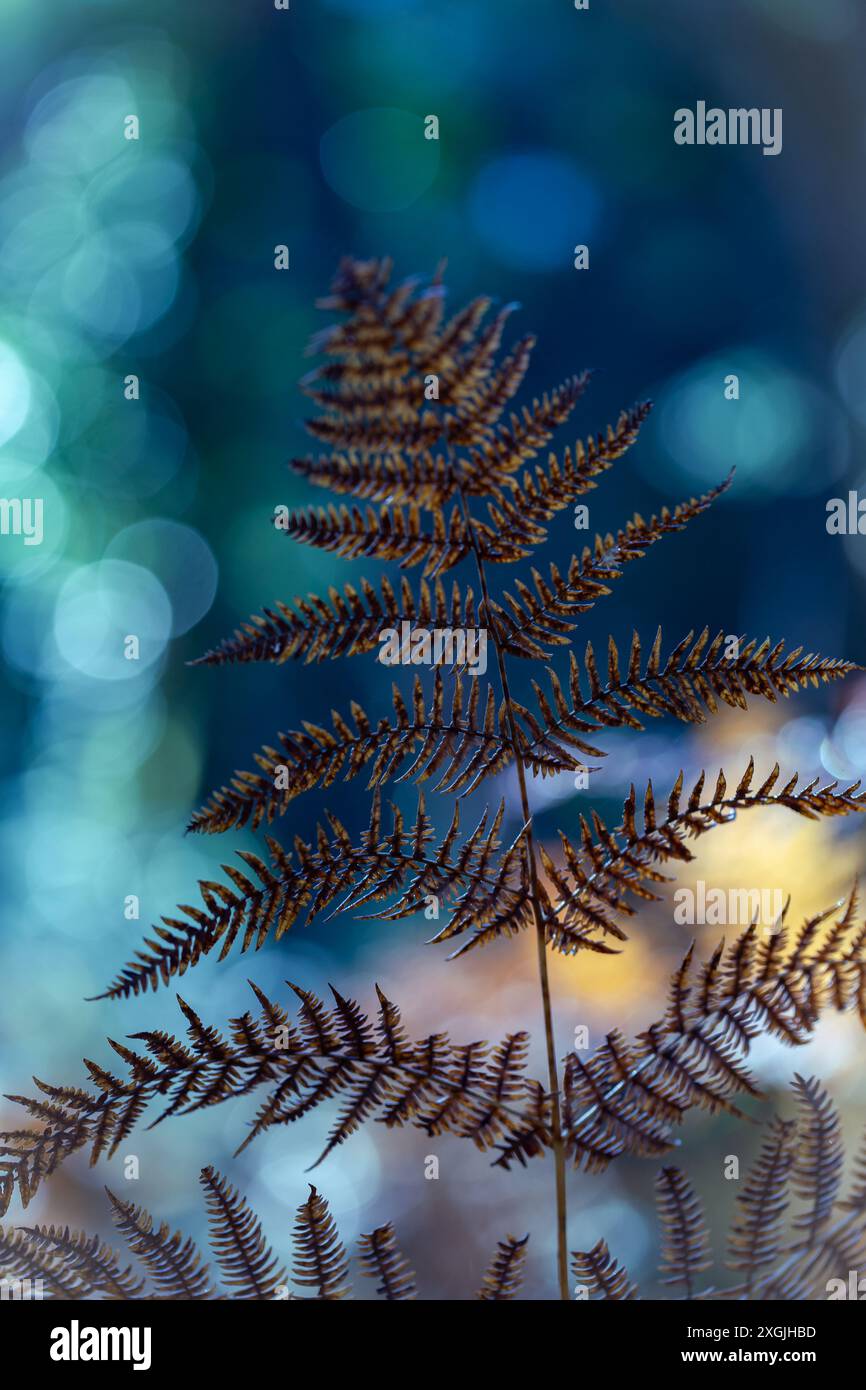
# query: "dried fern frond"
{"type": "Point", "coordinates": [73, 1265]}
{"type": "Point", "coordinates": [412, 429]}
{"type": "Point", "coordinates": [518, 519]}
{"type": "Point", "coordinates": [321, 1262]}
{"type": "Point", "coordinates": [428, 480]}
{"type": "Point", "coordinates": [465, 747]}
{"type": "Point", "coordinates": [533, 622]}
{"type": "Point", "coordinates": [616, 1103]}
{"type": "Point", "coordinates": [606, 867]}
{"type": "Point", "coordinates": [346, 623]}
{"type": "Point", "coordinates": [856, 1200]}
{"type": "Point", "coordinates": [391, 533]}
{"type": "Point", "coordinates": [628, 1098]}
{"type": "Point", "coordinates": [381, 1259]}
{"type": "Point", "coordinates": [475, 412]}
{"type": "Point", "coordinates": [78, 1266]}
{"type": "Point", "coordinates": [247, 1265]}
{"type": "Point", "coordinates": [819, 1157]}
{"type": "Point", "coordinates": [778, 1263]}
{"type": "Point", "coordinates": [685, 1238]}
{"type": "Point", "coordinates": [599, 1273]}
{"type": "Point", "coordinates": [685, 687]}
{"type": "Point", "coordinates": [26, 1257]}
{"type": "Point", "coordinates": [350, 623]}
{"type": "Point", "coordinates": [474, 1091]}
{"type": "Point", "coordinates": [73, 1256]}
{"type": "Point", "coordinates": [172, 1260]}
{"type": "Point", "coordinates": [453, 741]}
{"type": "Point", "coordinates": [494, 898]}
{"type": "Point", "coordinates": [382, 322]}
{"type": "Point", "coordinates": [505, 1273]}
{"type": "Point", "coordinates": [487, 881]}
{"type": "Point", "coordinates": [756, 1236]}
{"type": "Point", "coordinates": [505, 448]}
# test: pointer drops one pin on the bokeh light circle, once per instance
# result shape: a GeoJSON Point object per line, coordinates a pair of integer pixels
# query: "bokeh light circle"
{"type": "Point", "coordinates": [180, 559]}
{"type": "Point", "coordinates": [774, 432]}
{"type": "Point", "coordinates": [99, 607]}
{"type": "Point", "coordinates": [14, 393]}
{"type": "Point", "coordinates": [157, 190]}
{"type": "Point", "coordinates": [78, 125]}
{"type": "Point", "coordinates": [531, 209]}
{"type": "Point", "coordinates": [378, 159]}
{"type": "Point", "coordinates": [851, 368]}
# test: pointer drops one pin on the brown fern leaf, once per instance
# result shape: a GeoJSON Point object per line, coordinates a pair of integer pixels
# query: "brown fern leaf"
{"type": "Point", "coordinates": [471, 1091]}
{"type": "Point", "coordinates": [505, 1272]}
{"type": "Point", "coordinates": [533, 622]}
{"type": "Point", "coordinates": [459, 340]}
{"type": "Point", "coordinates": [346, 624]}
{"type": "Point", "coordinates": [518, 519]}
{"type": "Point", "coordinates": [384, 325]}
{"type": "Point", "coordinates": [320, 1257]}
{"type": "Point", "coordinates": [472, 749]}
{"type": "Point", "coordinates": [36, 1269]}
{"type": "Point", "coordinates": [819, 1158]}
{"type": "Point", "coordinates": [684, 687]}
{"type": "Point", "coordinates": [412, 431]}
{"type": "Point", "coordinates": [501, 907]}
{"type": "Point", "coordinates": [54, 1262]}
{"type": "Point", "coordinates": [856, 1199]}
{"type": "Point", "coordinates": [756, 1236]}
{"type": "Point", "coordinates": [411, 426]}
{"type": "Point", "coordinates": [502, 450]}
{"type": "Point", "coordinates": [426, 479]}
{"type": "Point", "coordinates": [475, 414]}
{"type": "Point", "coordinates": [454, 740]}
{"type": "Point", "coordinates": [467, 372]}
{"type": "Point", "coordinates": [247, 1265]}
{"type": "Point", "coordinates": [392, 533]}
{"type": "Point", "coordinates": [173, 1263]}
{"type": "Point", "coordinates": [374, 398]}
{"type": "Point", "coordinates": [381, 1259]}
{"type": "Point", "coordinates": [496, 902]}
{"type": "Point", "coordinates": [685, 1238]}
{"type": "Point", "coordinates": [804, 1275]}
{"type": "Point", "coordinates": [332, 872]}
{"type": "Point", "coordinates": [608, 866]}
{"type": "Point", "coordinates": [628, 1099]}
{"type": "Point", "coordinates": [615, 1103]}
{"type": "Point", "coordinates": [598, 1272]}
{"type": "Point", "coordinates": [375, 415]}
{"type": "Point", "coordinates": [87, 1259]}
{"type": "Point", "coordinates": [73, 1119]}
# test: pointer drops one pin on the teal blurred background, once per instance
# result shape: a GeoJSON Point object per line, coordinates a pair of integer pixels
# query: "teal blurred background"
{"type": "Point", "coordinates": [153, 258]}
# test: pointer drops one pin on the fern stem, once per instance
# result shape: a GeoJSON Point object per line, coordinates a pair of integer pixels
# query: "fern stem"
{"type": "Point", "coordinates": [558, 1143]}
